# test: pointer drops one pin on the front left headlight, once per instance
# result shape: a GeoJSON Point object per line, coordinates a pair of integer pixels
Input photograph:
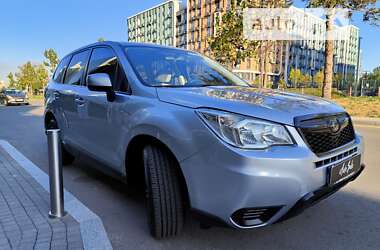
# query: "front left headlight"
{"type": "Point", "coordinates": [245, 132]}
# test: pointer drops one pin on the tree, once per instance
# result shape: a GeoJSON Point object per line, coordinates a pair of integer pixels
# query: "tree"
{"type": "Point", "coordinates": [26, 76]}
{"type": "Point", "coordinates": [305, 78]}
{"type": "Point", "coordinates": [295, 76]}
{"type": "Point", "coordinates": [32, 77]}
{"type": "Point", "coordinates": [281, 84]}
{"type": "Point", "coordinates": [51, 59]}
{"type": "Point", "coordinates": [318, 78]}
{"type": "Point", "coordinates": [370, 14]}
{"type": "Point", "coordinates": [42, 77]}
{"type": "Point", "coordinates": [101, 39]}
{"type": "Point", "coordinates": [375, 74]}
{"type": "Point", "coordinates": [229, 46]}
{"type": "Point", "coordinates": [12, 80]}
{"type": "Point", "coordinates": [2, 86]}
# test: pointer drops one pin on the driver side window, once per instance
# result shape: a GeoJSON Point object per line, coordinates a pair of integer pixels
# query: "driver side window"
{"type": "Point", "coordinates": [104, 60]}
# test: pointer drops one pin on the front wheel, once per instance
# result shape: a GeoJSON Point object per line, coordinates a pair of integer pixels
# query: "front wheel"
{"type": "Point", "coordinates": [163, 191]}
{"type": "Point", "coordinates": [67, 158]}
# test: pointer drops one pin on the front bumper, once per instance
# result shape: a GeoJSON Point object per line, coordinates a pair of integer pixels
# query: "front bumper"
{"type": "Point", "coordinates": [314, 197]}
{"type": "Point", "coordinates": [223, 180]}
{"type": "Point", "coordinates": [18, 101]}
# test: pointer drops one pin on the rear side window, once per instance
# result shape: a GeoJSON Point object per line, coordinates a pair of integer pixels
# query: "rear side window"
{"type": "Point", "coordinates": [60, 71]}
{"type": "Point", "coordinates": [104, 60]}
{"type": "Point", "coordinates": [76, 68]}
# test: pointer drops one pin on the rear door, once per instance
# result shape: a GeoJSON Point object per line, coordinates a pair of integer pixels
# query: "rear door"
{"type": "Point", "coordinates": [53, 93]}
{"type": "Point", "coordinates": [71, 96]}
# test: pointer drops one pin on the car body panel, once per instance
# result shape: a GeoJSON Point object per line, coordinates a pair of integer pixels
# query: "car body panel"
{"type": "Point", "coordinates": [220, 178]}
{"type": "Point", "coordinates": [266, 104]}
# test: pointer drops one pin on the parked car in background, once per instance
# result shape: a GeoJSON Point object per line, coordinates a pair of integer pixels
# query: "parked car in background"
{"type": "Point", "coordinates": [13, 96]}
{"type": "Point", "coordinates": [197, 137]}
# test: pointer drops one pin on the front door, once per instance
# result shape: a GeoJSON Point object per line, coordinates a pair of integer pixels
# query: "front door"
{"type": "Point", "coordinates": [99, 118]}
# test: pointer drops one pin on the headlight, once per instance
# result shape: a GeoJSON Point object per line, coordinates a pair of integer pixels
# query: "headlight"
{"type": "Point", "coordinates": [245, 132]}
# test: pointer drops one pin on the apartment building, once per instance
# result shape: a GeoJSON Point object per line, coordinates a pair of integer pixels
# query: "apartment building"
{"type": "Point", "coordinates": [308, 54]}
{"type": "Point", "coordinates": [190, 26]}
{"type": "Point", "coordinates": [181, 28]}
{"type": "Point", "coordinates": [346, 52]}
{"type": "Point", "coordinates": [155, 25]}
{"type": "Point", "coordinates": [203, 16]}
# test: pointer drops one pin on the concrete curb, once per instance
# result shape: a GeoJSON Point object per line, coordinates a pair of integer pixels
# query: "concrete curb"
{"type": "Point", "coordinates": [366, 121]}
{"type": "Point", "coordinates": [93, 233]}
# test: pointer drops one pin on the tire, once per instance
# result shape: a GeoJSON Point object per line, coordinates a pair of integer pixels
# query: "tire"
{"type": "Point", "coordinates": [6, 103]}
{"type": "Point", "coordinates": [163, 191]}
{"type": "Point", "coordinates": [66, 157]}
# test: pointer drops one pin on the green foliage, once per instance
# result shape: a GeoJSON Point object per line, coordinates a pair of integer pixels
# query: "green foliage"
{"type": "Point", "coordinates": [101, 39]}
{"type": "Point", "coordinates": [281, 84]}
{"type": "Point", "coordinates": [306, 78]}
{"type": "Point", "coordinates": [29, 77]}
{"type": "Point", "coordinates": [296, 76]}
{"type": "Point", "coordinates": [337, 77]}
{"type": "Point", "coordinates": [12, 80]}
{"type": "Point", "coordinates": [51, 59]}
{"type": "Point", "coordinates": [229, 46]}
{"type": "Point", "coordinates": [368, 8]}
{"type": "Point", "coordinates": [318, 78]}
{"type": "Point", "coordinates": [370, 12]}
{"type": "Point", "coordinates": [374, 75]}
{"type": "Point", "coordinates": [2, 86]}
{"type": "Point", "coordinates": [42, 77]}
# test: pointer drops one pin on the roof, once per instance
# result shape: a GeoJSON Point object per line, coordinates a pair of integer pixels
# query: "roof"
{"type": "Point", "coordinates": [126, 44]}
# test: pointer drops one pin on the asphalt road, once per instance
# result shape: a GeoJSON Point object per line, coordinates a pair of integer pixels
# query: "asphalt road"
{"type": "Point", "coordinates": [350, 219]}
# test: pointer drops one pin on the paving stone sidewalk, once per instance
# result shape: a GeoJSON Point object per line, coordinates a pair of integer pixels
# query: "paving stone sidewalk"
{"type": "Point", "coordinates": [24, 207]}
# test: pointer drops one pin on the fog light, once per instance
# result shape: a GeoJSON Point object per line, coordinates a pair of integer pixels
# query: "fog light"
{"type": "Point", "coordinates": [249, 217]}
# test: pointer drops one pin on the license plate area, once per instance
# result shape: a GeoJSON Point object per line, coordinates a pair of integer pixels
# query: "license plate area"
{"type": "Point", "coordinates": [343, 170]}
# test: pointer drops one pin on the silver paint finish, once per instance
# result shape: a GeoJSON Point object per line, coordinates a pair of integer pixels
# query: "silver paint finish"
{"type": "Point", "coordinates": [220, 178]}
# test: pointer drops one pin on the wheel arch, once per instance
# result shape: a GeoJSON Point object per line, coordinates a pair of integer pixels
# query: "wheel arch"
{"type": "Point", "coordinates": [134, 161]}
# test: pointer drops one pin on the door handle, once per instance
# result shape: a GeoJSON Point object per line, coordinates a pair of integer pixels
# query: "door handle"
{"type": "Point", "coordinates": [56, 95]}
{"type": "Point", "coordinates": [79, 100]}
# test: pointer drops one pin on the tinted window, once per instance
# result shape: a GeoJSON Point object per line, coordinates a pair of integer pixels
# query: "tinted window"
{"type": "Point", "coordinates": [177, 68]}
{"type": "Point", "coordinates": [60, 71]}
{"type": "Point", "coordinates": [104, 60]}
{"type": "Point", "coordinates": [76, 68]}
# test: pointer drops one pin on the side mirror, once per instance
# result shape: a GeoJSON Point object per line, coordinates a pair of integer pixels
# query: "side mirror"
{"type": "Point", "coordinates": [101, 82]}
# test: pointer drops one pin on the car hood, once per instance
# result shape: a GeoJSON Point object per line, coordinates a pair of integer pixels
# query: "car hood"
{"type": "Point", "coordinates": [266, 104]}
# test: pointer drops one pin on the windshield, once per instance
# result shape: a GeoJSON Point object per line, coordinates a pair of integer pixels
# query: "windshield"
{"type": "Point", "coordinates": [13, 92]}
{"type": "Point", "coordinates": [161, 67]}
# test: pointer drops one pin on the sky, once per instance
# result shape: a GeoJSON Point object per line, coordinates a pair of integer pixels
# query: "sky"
{"type": "Point", "coordinates": [28, 27]}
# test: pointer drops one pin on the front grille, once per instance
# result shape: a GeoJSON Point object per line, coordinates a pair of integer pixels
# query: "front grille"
{"type": "Point", "coordinates": [248, 217]}
{"type": "Point", "coordinates": [326, 132]}
{"type": "Point", "coordinates": [336, 158]}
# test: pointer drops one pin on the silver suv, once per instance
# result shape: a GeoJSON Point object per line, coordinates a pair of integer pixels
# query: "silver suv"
{"type": "Point", "coordinates": [197, 137]}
